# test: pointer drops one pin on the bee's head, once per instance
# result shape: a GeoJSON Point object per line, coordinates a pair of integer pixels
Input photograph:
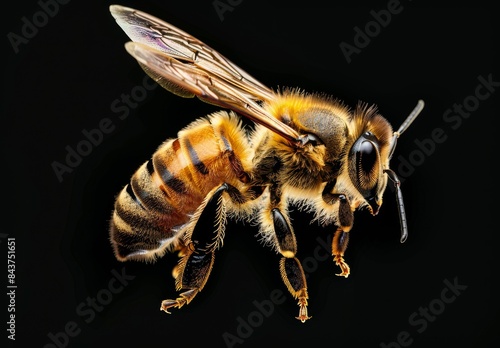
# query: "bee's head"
{"type": "Point", "coordinates": [358, 144]}
{"type": "Point", "coordinates": [369, 155]}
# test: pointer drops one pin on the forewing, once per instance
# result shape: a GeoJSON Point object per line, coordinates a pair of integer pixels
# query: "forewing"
{"type": "Point", "coordinates": [186, 66]}
{"type": "Point", "coordinates": [164, 37]}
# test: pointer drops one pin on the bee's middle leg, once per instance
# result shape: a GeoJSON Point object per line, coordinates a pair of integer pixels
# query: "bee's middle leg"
{"type": "Point", "coordinates": [291, 270]}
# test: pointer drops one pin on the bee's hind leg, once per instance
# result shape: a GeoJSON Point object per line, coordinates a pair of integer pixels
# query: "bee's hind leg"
{"type": "Point", "coordinates": [192, 275]}
{"type": "Point", "coordinates": [198, 250]}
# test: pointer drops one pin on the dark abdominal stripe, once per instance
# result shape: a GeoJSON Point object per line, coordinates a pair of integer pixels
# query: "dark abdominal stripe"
{"type": "Point", "coordinates": [198, 164]}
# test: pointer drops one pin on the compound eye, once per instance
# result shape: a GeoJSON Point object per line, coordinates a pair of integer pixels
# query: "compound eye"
{"type": "Point", "coordinates": [367, 156]}
{"type": "Point", "coordinates": [367, 165]}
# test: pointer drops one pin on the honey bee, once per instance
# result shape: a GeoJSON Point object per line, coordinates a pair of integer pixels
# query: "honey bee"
{"type": "Point", "coordinates": [305, 149]}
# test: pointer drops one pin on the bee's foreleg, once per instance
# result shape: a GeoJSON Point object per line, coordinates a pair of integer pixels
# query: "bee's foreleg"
{"type": "Point", "coordinates": [193, 270]}
{"type": "Point", "coordinates": [290, 267]}
{"type": "Point", "coordinates": [339, 245]}
{"type": "Point", "coordinates": [345, 220]}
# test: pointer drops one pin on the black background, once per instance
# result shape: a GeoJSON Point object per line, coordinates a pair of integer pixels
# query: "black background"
{"type": "Point", "coordinates": [64, 80]}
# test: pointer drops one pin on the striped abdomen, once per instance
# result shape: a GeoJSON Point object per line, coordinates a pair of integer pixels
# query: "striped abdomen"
{"type": "Point", "coordinates": [165, 191]}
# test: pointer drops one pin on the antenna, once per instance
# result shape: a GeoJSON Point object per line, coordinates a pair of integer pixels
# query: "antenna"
{"type": "Point", "coordinates": [392, 175]}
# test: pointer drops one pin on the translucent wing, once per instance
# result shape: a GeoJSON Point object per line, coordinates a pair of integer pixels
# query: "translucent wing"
{"type": "Point", "coordinates": [186, 66]}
